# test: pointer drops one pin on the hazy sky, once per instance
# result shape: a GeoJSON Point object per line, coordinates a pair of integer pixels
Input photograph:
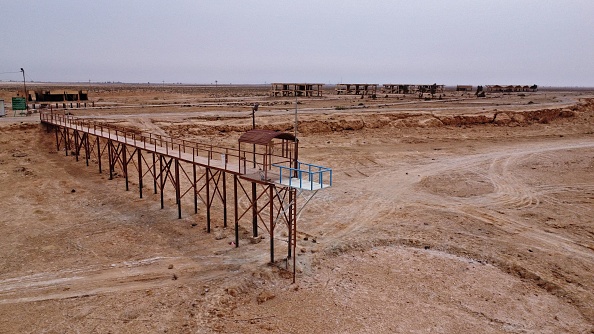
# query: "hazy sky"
{"type": "Point", "coordinates": [550, 43]}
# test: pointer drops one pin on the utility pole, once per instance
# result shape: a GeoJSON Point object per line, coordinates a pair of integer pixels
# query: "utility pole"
{"type": "Point", "coordinates": [25, 88]}
{"type": "Point", "coordinates": [254, 109]}
{"type": "Point", "coordinates": [295, 116]}
{"type": "Point", "coordinates": [254, 194]}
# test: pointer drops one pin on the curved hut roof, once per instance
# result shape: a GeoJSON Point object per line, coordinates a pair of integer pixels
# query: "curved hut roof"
{"type": "Point", "coordinates": [263, 137]}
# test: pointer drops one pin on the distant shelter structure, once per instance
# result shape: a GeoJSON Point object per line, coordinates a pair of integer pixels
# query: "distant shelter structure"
{"type": "Point", "coordinates": [464, 88]}
{"type": "Point", "coordinates": [397, 89]}
{"type": "Point", "coordinates": [57, 98]}
{"type": "Point", "coordinates": [410, 89]}
{"type": "Point", "coordinates": [356, 89]}
{"type": "Point", "coordinates": [508, 88]}
{"type": "Point", "coordinates": [296, 89]}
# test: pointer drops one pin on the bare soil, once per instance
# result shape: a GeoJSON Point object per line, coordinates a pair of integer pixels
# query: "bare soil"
{"type": "Point", "coordinates": [451, 215]}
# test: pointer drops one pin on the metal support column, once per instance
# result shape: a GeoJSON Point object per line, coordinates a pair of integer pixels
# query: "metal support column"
{"type": "Point", "coordinates": [161, 184]}
{"type": "Point", "coordinates": [66, 140]}
{"type": "Point", "coordinates": [271, 203]}
{"type": "Point", "coordinates": [87, 148]}
{"type": "Point", "coordinates": [208, 200]}
{"type": "Point", "coordinates": [290, 223]}
{"type": "Point", "coordinates": [99, 154]}
{"type": "Point", "coordinates": [154, 174]}
{"type": "Point", "coordinates": [195, 188]}
{"type": "Point", "coordinates": [224, 199]}
{"type": "Point", "coordinates": [294, 227]}
{"type": "Point", "coordinates": [236, 210]}
{"type": "Point", "coordinates": [177, 189]}
{"type": "Point", "coordinates": [139, 154]}
{"type": "Point", "coordinates": [76, 147]}
{"type": "Point", "coordinates": [110, 158]}
{"type": "Point", "coordinates": [254, 211]}
{"type": "Point", "coordinates": [57, 140]}
{"type": "Point", "coordinates": [125, 165]}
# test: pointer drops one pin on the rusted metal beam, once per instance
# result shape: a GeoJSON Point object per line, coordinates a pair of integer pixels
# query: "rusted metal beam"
{"type": "Point", "coordinates": [57, 140]}
{"type": "Point", "coordinates": [139, 156]}
{"type": "Point", "coordinates": [75, 135]}
{"type": "Point", "coordinates": [125, 165]}
{"type": "Point", "coordinates": [224, 199]}
{"type": "Point", "coordinates": [254, 211]}
{"type": "Point", "coordinates": [99, 154]}
{"type": "Point", "coordinates": [154, 174]}
{"type": "Point", "coordinates": [110, 158]}
{"type": "Point", "coordinates": [290, 224]}
{"type": "Point", "coordinates": [66, 140]}
{"type": "Point", "coordinates": [207, 200]}
{"type": "Point", "coordinates": [195, 188]}
{"type": "Point", "coordinates": [271, 194]}
{"type": "Point", "coordinates": [236, 209]}
{"type": "Point", "coordinates": [177, 189]}
{"type": "Point", "coordinates": [87, 149]}
{"type": "Point", "coordinates": [161, 184]}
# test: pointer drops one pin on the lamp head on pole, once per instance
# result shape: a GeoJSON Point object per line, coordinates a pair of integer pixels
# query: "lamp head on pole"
{"type": "Point", "coordinates": [254, 109]}
{"type": "Point", "coordinates": [25, 90]}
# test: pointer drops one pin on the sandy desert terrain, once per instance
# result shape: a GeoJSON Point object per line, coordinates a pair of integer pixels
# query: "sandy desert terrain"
{"type": "Point", "coordinates": [451, 215]}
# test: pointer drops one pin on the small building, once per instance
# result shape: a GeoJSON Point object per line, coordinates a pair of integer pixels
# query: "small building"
{"type": "Point", "coordinates": [356, 89]}
{"type": "Point", "coordinates": [464, 88]}
{"type": "Point", "coordinates": [411, 89]}
{"type": "Point", "coordinates": [58, 97]}
{"type": "Point", "coordinates": [2, 110]}
{"type": "Point", "coordinates": [296, 89]}
{"type": "Point", "coordinates": [508, 88]}
{"type": "Point", "coordinates": [62, 95]}
{"type": "Point", "coordinates": [434, 88]}
{"type": "Point", "coordinates": [396, 89]}
{"type": "Point", "coordinates": [494, 88]}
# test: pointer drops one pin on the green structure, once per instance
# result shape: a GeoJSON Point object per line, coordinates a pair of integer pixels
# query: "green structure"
{"type": "Point", "coordinates": [19, 103]}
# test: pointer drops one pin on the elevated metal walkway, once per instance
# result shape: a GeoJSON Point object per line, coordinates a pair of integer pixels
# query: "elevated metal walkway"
{"type": "Point", "coordinates": [265, 159]}
{"type": "Point", "coordinates": [231, 160]}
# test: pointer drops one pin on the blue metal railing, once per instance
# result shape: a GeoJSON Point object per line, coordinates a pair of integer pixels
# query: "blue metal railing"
{"type": "Point", "coordinates": [309, 176]}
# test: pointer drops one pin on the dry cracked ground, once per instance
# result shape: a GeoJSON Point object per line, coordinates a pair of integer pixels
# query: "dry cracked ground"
{"type": "Point", "coordinates": [459, 215]}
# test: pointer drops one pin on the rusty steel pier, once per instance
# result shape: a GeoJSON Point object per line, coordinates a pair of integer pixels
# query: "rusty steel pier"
{"type": "Point", "coordinates": [267, 177]}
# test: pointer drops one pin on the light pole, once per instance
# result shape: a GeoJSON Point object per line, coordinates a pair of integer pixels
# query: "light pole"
{"type": "Point", "coordinates": [296, 122]}
{"type": "Point", "coordinates": [293, 233]}
{"type": "Point", "coordinates": [25, 88]}
{"type": "Point", "coordinates": [254, 109]}
{"type": "Point", "coordinates": [295, 116]}
{"type": "Point", "coordinates": [254, 195]}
